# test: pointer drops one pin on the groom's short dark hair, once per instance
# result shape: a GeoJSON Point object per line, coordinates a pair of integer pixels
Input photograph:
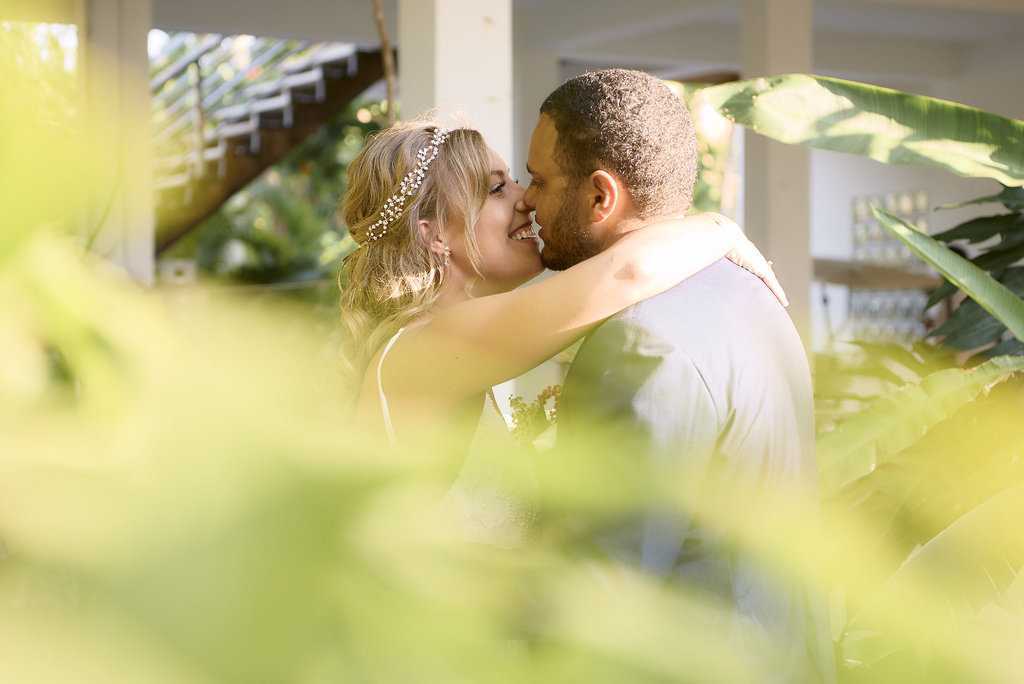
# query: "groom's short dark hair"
{"type": "Point", "coordinates": [633, 124]}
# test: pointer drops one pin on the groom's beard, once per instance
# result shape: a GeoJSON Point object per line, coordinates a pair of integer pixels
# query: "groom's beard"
{"type": "Point", "coordinates": [566, 241]}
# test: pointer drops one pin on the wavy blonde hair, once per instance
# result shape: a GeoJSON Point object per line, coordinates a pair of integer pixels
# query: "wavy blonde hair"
{"type": "Point", "coordinates": [398, 278]}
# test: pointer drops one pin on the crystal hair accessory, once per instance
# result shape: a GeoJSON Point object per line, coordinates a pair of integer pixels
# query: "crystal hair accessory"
{"type": "Point", "coordinates": [393, 207]}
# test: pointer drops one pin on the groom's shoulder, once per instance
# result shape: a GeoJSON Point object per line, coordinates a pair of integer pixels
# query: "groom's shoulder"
{"type": "Point", "coordinates": [723, 289]}
{"type": "Point", "coordinates": [723, 311]}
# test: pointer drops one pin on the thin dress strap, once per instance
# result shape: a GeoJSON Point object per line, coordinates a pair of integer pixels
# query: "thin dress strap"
{"type": "Point", "coordinates": [494, 403]}
{"type": "Point", "coordinates": [380, 390]}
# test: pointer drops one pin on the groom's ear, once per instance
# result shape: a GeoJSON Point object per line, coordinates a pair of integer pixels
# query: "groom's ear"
{"type": "Point", "coordinates": [604, 197]}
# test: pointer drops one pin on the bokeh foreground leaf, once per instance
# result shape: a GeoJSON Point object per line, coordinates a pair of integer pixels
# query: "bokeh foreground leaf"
{"type": "Point", "coordinates": [897, 420]}
{"type": "Point", "coordinates": [963, 570]}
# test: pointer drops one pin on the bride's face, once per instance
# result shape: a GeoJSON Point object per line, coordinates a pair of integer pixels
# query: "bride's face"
{"type": "Point", "coordinates": [509, 248]}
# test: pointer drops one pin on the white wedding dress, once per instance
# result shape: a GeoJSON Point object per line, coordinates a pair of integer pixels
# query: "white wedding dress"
{"type": "Point", "coordinates": [494, 498]}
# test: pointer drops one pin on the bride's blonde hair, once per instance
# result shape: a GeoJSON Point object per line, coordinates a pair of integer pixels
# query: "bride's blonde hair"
{"type": "Point", "coordinates": [397, 278]}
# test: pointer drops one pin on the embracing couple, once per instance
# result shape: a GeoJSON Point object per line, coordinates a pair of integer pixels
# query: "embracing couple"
{"type": "Point", "coordinates": [691, 371]}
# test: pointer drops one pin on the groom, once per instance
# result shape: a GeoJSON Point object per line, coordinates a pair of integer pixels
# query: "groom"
{"type": "Point", "coordinates": [704, 388]}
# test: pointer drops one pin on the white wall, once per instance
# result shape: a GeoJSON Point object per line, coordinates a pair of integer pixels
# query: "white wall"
{"type": "Point", "coordinates": [994, 78]}
{"type": "Point", "coordinates": [836, 179]}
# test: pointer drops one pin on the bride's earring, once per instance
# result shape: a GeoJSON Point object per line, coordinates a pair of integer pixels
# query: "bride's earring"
{"type": "Point", "coordinates": [447, 255]}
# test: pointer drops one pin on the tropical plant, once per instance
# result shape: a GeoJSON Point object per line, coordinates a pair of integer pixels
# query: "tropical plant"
{"type": "Point", "coordinates": [38, 105]}
{"type": "Point", "coordinates": [970, 326]}
{"type": "Point", "coordinates": [923, 476]}
{"type": "Point", "coordinates": [852, 374]}
{"type": "Point", "coordinates": [715, 189]}
{"type": "Point", "coordinates": [284, 227]}
{"type": "Point", "coordinates": [192, 503]}
{"type": "Point", "coordinates": [883, 124]}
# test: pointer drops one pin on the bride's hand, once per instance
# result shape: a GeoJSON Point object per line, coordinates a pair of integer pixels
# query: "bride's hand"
{"type": "Point", "coordinates": [744, 253]}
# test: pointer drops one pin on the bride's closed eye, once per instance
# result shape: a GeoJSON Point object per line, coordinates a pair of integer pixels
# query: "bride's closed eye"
{"type": "Point", "coordinates": [497, 188]}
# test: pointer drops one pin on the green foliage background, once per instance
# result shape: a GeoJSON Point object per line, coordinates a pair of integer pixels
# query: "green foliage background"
{"type": "Point", "coordinates": [193, 503]}
{"type": "Point", "coordinates": [932, 467]}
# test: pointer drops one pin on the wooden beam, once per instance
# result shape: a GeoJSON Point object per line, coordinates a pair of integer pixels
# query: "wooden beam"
{"type": "Point", "coordinates": [858, 274]}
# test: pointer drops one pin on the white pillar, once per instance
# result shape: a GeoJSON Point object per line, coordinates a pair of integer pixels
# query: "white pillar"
{"type": "Point", "coordinates": [457, 55]}
{"type": "Point", "coordinates": [115, 64]}
{"type": "Point", "coordinates": [777, 37]}
{"type": "Point", "coordinates": [537, 73]}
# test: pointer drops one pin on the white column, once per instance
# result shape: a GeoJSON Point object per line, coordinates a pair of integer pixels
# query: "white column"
{"type": "Point", "coordinates": [777, 37]}
{"type": "Point", "coordinates": [456, 55]}
{"type": "Point", "coordinates": [115, 64]}
{"type": "Point", "coordinates": [537, 73]}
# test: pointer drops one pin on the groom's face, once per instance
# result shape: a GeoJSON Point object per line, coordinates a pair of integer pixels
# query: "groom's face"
{"type": "Point", "coordinates": [558, 203]}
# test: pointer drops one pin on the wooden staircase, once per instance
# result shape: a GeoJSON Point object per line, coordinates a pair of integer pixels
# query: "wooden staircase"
{"type": "Point", "coordinates": [226, 108]}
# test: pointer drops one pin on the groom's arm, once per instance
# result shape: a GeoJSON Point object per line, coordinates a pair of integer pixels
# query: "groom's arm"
{"type": "Point", "coordinates": [640, 412]}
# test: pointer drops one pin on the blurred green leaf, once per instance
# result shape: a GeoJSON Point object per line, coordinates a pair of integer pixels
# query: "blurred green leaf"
{"type": "Point", "coordinates": [1011, 197]}
{"type": "Point", "coordinates": [993, 296]}
{"type": "Point", "coordinates": [40, 123]}
{"type": "Point", "coordinates": [969, 327]}
{"type": "Point", "coordinates": [898, 419]}
{"type": "Point", "coordinates": [886, 125]}
{"type": "Point", "coordinates": [981, 229]}
{"type": "Point", "coordinates": [1011, 346]}
{"type": "Point", "coordinates": [943, 291]}
{"type": "Point", "coordinates": [959, 463]}
{"type": "Point", "coordinates": [964, 568]}
{"type": "Point", "coordinates": [997, 258]}
{"type": "Point", "coordinates": [911, 360]}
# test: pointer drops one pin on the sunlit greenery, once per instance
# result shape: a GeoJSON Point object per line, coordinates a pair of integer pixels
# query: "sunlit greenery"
{"type": "Point", "coordinates": [41, 124]}
{"type": "Point", "coordinates": [193, 503]}
{"type": "Point", "coordinates": [931, 470]}
{"type": "Point", "coordinates": [718, 179]}
{"type": "Point", "coordinates": [285, 226]}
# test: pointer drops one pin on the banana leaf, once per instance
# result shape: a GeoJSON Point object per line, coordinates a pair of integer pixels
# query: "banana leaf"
{"type": "Point", "coordinates": [897, 420]}
{"type": "Point", "coordinates": [1011, 346]}
{"type": "Point", "coordinates": [982, 228]}
{"type": "Point", "coordinates": [996, 261]}
{"type": "Point", "coordinates": [875, 369]}
{"type": "Point", "coordinates": [966, 567]}
{"type": "Point", "coordinates": [910, 359]}
{"type": "Point", "coordinates": [1013, 597]}
{"type": "Point", "coordinates": [958, 464]}
{"type": "Point", "coordinates": [987, 330]}
{"type": "Point", "coordinates": [886, 125]}
{"type": "Point", "coordinates": [968, 315]}
{"type": "Point", "coordinates": [1011, 198]}
{"type": "Point", "coordinates": [992, 295]}
{"type": "Point", "coordinates": [971, 322]}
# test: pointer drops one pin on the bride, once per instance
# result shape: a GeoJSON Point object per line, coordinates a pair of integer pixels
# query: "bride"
{"type": "Point", "coordinates": [431, 312]}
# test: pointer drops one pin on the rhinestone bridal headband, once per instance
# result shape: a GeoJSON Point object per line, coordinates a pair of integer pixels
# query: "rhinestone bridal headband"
{"type": "Point", "coordinates": [393, 207]}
